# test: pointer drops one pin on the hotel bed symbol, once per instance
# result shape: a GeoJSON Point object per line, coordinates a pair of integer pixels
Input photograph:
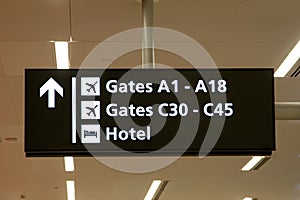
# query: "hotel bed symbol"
{"type": "Point", "coordinates": [87, 133]}
{"type": "Point", "coordinates": [90, 86]}
{"type": "Point", "coordinates": [90, 133]}
{"type": "Point", "coordinates": [90, 109]}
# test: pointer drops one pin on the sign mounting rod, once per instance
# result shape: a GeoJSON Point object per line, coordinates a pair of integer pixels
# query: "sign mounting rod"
{"type": "Point", "coordinates": [148, 43]}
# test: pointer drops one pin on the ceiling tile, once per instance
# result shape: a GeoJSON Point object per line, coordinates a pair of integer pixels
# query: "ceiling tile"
{"type": "Point", "coordinates": [246, 54]}
{"type": "Point", "coordinates": [231, 22]}
{"type": "Point", "coordinates": [19, 107]}
{"type": "Point", "coordinates": [79, 51]}
{"type": "Point", "coordinates": [42, 164]}
{"type": "Point", "coordinates": [97, 20]}
{"type": "Point", "coordinates": [286, 89]}
{"type": "Point", "coordinates": [1, 69]}
{"type": "Point", "coordinates": [34, 20]}
{"type": "Point", "coordinates": [16, 85]}
{"type": "Point", "coordinates": [16, 56]}
{"type": "Point", "coordinates": [8, 114]}
{"type": "Point", "coordinates": [12, 131]}
{"type": "Point", "coordinates": [5, 90]}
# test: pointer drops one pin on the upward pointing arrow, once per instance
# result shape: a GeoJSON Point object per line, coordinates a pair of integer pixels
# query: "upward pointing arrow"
{"type": "Point", "coordinates": [51, 86]}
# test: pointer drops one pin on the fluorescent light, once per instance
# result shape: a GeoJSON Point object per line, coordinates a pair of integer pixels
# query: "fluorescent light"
{"type": "Point", "coordinates": [70, 190]}
{"type": "Point", "coordinates": [253, 163]}
{"type": "Point", "coordinates": [289, 61]}
{"type": "Point", "coordinates": [152, 190]}
{"type": "Point", "coordinates": [62, 55]}
{"type": "Point", "coordinates": [248, 198]}
{"type": "Point", "coordinates": [69, 163]}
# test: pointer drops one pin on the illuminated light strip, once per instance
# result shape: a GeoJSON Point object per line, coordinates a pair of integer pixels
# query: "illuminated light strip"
{"type": "Point", "coordinates": [248, 198]}
{"type": "Point", "coordinates": [62, 55]}
{"type": "Point", "coordinates": [69, 163]}
{"type": "Point", "coordinates": [70, 190]}
{"type": "Point", "coordinates": [152, 190]}
{"type": "Point", "coordinates": [289, 61]}
{"type": "Point", "coordinates": [253, 163]}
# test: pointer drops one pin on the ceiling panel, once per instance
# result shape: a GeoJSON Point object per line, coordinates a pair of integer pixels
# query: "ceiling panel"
{"type": "Point", "coordinates": [42, 185]}
{"type": "Point", "coordinates": [16, 87]}
{"type": "Point", "coordinates": [107, 183]}
{"type": "Point", "coordinates": [8, 115]}
{"type": "Point", "coordinates": [79, 51]}
{"type": "Point", "coordinates": [286, 89]}
{"type": "Point", "coordinates": [34, 20]}
{"type": "Point", "coordinates": [35, 178]}
{"type": "Point", "coordinates": [41, 165]}
{"type": "Point", "coordinates": [287, 139]}
{"type": "Point", "coordinates": [16, 56]}
{"type": "Point", "coordinates": [1, 69]}
{"type": "Point", "coordinates": [14, 169]}
{"type": "Point", "coordinates": [97, 20]}
{"type": "Point", "coordinates": [5, 90]}
{"type": "Point", "coordinates": [233, 21]}
{"type": "Point", "coordinates": [11, 131]}
{"type": "Point", "coordinates": [19, 107]}
{"type": "Point", "coordinates": [246, 54]}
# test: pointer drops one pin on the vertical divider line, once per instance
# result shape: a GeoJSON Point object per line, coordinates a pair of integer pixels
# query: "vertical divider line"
{"type": "Point", "coordinates": [74, 125]}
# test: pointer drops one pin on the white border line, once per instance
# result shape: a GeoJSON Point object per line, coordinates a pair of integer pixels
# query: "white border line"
{"type": "Point", "coordinates": [74, 133]}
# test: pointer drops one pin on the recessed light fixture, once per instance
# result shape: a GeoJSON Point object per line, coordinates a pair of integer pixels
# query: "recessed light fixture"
{"type": "Point", "coordinates": [153, 189]}
{"type": "Point", "coordinates": [248, 198]}
{"type": "Point", "coordinates": [253, 163]}
{"type": "Point", "coordinates": [69, 163]}
{"type": "Point", "coordinates": [289, 61]}
{"type": "Point", "coordinates": [70, 190]}
{"type": "Point", "coordinates": [62, 55]}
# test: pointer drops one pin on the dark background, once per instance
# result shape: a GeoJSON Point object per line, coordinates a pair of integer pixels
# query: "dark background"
{"type": "Point", "coordinates": [249, 131]}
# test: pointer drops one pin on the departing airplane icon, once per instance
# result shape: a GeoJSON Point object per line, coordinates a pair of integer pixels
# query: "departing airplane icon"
{"type": "Point", "coordinates": [92, 110]}
{"type": "Point", "coordinates": [92, 87]}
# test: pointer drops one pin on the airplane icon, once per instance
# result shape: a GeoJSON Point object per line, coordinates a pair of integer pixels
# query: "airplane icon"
{"type": "Point", "coordinates": [92, 110]}
{"type": "Point", "coordinates": [91, 87]}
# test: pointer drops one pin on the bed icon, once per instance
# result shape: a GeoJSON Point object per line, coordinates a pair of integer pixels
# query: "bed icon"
{"type": "Point", "coordinates": [89, 133]}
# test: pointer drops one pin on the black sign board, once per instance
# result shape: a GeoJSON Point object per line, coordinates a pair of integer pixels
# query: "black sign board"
{"type": "Point", "coordinates": [116, 112]}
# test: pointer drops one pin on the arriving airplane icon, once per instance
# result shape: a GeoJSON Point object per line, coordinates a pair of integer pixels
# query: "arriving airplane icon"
{"type": "Point", "coordinates": [92, 110]}
{"type": "Point", "coordinates": [91, 87]}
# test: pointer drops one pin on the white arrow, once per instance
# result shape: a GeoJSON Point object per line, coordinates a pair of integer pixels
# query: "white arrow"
{"type": "Point", "coordinates": [51, 86]}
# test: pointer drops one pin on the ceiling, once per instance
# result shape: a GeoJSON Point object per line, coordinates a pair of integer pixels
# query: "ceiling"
{"type": "Point", "coordinates": [236, 33]}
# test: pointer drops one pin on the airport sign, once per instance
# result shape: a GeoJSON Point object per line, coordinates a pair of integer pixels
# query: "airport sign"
{"type": "Point", "coordinates": [116, 112]}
